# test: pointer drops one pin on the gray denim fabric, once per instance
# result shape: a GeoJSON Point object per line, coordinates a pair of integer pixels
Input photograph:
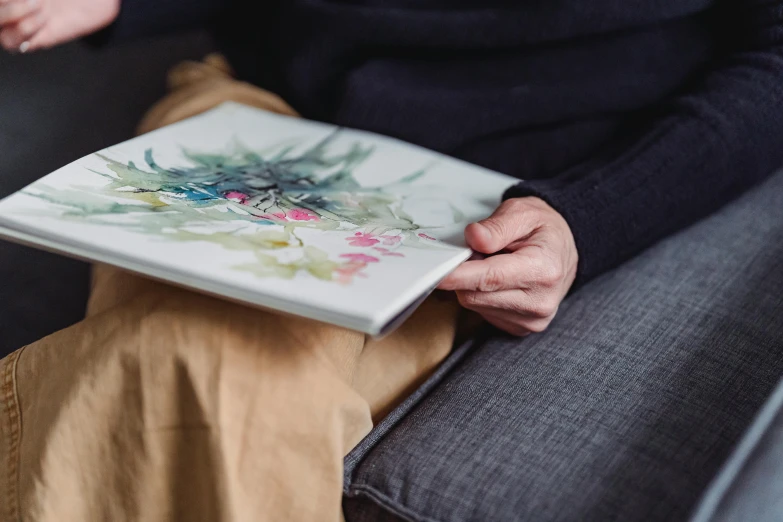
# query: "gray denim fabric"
{"type": "Point", "coordinates": [624, 409]}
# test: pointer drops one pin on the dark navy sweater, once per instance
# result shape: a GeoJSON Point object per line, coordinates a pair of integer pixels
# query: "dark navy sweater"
{"type": "Point", "coordinates": [632, 118]}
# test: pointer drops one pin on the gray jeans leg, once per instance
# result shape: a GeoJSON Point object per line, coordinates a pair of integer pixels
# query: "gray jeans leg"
{"type": "Point", "coordinates": [623, 410]}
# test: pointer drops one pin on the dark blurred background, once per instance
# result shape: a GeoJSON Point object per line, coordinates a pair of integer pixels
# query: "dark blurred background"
{"type": "Point", "coordinates": [56, 106]}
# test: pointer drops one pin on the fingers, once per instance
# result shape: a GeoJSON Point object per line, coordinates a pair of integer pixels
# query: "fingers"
{"type": "Point", "coordinates": [16, 10]}
{"type": "Point", "coordinates": [533, 307]}
{"type": "Point", "coordinates": [514, 219]}
{"type": "Point", "coordinates": [514, 325]}
{"type": "Point", "coordinates": [20, 20]}
{"type": "Point", "coordinates": [525, 268]}
{"type": "Point", "coordinates": [487, 275]}
{"type": "Point", "coordinates": [508, 326]}
{"type": "Point", "coordinates": [18, 37]}
{"type": "Point", "coordinates": [520, 287]}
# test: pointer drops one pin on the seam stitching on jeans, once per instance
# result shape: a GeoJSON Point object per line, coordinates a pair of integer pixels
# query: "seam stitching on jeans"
{"type": "Point", "coordinates": [13, 418]}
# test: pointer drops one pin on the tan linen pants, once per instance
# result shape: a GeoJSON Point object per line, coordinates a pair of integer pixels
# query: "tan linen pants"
{"type": "Point", "coordinates": [166, 405]}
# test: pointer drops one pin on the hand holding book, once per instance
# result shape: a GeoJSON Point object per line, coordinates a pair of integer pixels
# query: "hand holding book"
{"type": "Point", "coordinates": [520, 287]}
{"type": "Point", "coordinates": [301, 217]}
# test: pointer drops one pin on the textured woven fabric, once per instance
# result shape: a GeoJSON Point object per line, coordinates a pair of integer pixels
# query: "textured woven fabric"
{"type": "Point", "coordinates": [623, 410]}
{"type": "Point", "coordinates": [750, 485]}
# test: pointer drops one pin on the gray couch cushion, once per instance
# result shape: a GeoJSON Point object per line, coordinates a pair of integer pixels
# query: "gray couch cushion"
{"type": "Point", "coordinates": [750, 486]}
{"type": "Point", "coordinates": [57, 106]}
{"type": "Point", "coordinates": [623, 410]}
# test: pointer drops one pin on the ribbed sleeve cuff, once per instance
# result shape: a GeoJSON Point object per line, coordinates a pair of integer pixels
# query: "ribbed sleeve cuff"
{"type": "Point", "coordinates": [598, 249]}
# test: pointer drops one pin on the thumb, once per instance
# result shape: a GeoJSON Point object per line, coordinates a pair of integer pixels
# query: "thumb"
{"type": "Point", "coordinates": [507, 224]}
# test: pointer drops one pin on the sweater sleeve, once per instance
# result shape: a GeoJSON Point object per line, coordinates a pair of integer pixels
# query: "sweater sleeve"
{"type": "Point", "coordinates": [139, 18]}
{"type": "Point", "coordinates": [703, 147]}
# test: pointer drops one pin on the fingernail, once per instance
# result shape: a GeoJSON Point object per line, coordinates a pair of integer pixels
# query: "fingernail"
{"type": "Point", "coordinates": [24, 47]}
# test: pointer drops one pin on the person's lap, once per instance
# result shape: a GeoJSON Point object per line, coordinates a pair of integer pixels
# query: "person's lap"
{"type": "Point", "coordinates": [624, 409]}
{"type": "Point", "coordinates": [165, 404]}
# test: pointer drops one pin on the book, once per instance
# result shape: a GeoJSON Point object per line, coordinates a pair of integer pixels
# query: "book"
{"type": "Point", "coordinates": [305, 218]}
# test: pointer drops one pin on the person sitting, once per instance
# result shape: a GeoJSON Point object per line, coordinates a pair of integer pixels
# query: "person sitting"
{"type": "Point", "coordinates": [626, 123]}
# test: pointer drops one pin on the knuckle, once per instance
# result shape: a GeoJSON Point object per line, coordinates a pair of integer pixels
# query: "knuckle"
{"type": "Point", "coordinates": [491, 280]}
{"type": "Point", "coordinates": [538, 326]}
{"type": "Point", "coordinates": [31, 22]}
{"type": "Point", "coordinates": [468, 299]}
{"type": "Point", "coordinates": [550, 273]}
{"type": "Point", "coordinates": [538, 311]}
{"type": "Point", "coordinates": [545, 309]}
{"type": "Point", "coordinates": [27, 26]}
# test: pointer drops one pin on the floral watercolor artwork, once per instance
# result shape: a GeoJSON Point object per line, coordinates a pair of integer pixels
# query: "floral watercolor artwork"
{"type": "Point", "coordinates": [339, 225]}
{"type": "Point", "coordinates": [259, 202]}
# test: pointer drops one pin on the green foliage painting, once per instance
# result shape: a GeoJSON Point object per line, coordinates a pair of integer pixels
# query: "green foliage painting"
{"type": "Point", "coordinates": [252, 201]}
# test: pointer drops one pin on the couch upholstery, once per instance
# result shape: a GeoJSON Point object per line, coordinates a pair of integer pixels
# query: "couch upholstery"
{"type": "Point", "coordinates": [55, 107]}
{"type": "Point", "coordinates": [505, 430]}
{"type": "Point", "coordinates": [624, 410]}
{"type": "Point", "coordinates": [750, 485]}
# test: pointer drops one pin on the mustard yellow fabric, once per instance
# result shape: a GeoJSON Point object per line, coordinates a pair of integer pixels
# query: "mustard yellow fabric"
{"type": "Point", "coordinates": [167, 405]}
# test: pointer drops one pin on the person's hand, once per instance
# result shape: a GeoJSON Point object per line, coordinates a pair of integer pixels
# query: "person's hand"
{"type": "Point", "coordinates": [520, 287]}
{"type": "Point", "coordinates": [27, 25]}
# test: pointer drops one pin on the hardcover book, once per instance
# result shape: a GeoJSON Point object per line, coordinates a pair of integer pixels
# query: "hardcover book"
{"type": "Point", "coordinates": [333, 224]}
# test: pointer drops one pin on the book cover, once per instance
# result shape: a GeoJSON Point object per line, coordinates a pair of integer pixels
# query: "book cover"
{"type": "Point", "coordinates": [306, 218]}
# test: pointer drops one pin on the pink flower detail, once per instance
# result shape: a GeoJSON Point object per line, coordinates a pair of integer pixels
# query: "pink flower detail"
{"type": "Point", "coordinates": [360, 258]}
{"type": "Point", "coordinates": [391, 240]}
{"type": "Point", "coordinates": [274, 216]}
{"type": "Point", "coordinates": [387, 252]}
{"type": "Point", "coordinates": [348, 271]}
{"type": "Point", "coordinates": [425, 236]}
{"type": "Point", "coordinates": [302, 214]}
{"type": "Point", "coordinates": [362, 239]}
{"type": "Point", "coordinates": [237, 197]}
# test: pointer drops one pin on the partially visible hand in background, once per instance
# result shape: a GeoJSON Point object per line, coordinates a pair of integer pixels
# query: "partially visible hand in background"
{"type": "Point", "coordinates": [28, 25]}
{"type": "Point", "coordinates": [519, 288]}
